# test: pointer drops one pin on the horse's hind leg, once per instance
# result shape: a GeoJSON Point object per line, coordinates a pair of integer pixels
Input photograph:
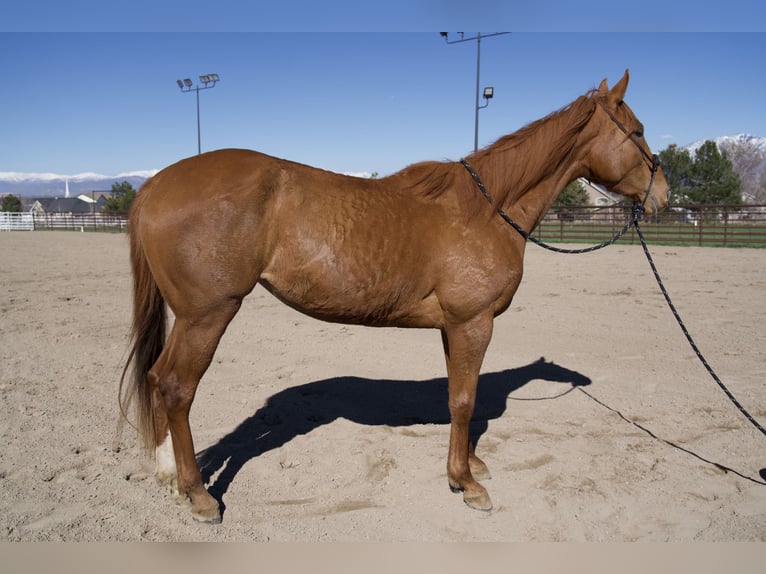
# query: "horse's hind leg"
{"type": "Point", "coordinates": [165, 472]}
{"type": "Point", "coordinates": [174, 378]}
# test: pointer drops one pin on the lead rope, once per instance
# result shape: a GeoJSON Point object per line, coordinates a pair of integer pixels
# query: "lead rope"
{"type": "Point", "coordinates": [637, 211]}
{"type": "Point", "coordinates": [689, 338]}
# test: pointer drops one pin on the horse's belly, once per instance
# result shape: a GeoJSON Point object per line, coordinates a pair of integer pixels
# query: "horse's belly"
{"type": "Point", "coordinates": [374, 303]}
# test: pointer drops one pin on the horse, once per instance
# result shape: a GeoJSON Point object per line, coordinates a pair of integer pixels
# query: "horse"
{"type": "Point", "coordinates": [421, 248]}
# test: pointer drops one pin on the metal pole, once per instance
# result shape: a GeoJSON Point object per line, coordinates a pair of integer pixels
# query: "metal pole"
{"type": "Point", "coordinates": [209, 81]}
{"type": "Point", "coordinates": [199, 137]}
{"type": "Point", "coordinates": [478, 71]}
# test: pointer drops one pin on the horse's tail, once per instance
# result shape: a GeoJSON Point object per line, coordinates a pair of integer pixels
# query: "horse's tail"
{"type": "Point", "coordinates": [147, 335]}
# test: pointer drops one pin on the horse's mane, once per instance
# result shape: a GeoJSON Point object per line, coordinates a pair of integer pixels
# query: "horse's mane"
{"type": "Point", "coordinates": [515, 163]}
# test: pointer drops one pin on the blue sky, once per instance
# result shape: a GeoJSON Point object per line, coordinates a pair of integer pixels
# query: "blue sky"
{"type": "Point", "coordinates": [106, 101]}
{"type": "Point", "coordinates": [378, 16]}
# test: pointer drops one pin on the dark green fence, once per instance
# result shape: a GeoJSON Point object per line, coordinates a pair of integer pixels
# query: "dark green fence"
{"type": "Point", "coordinates": [709, 225]}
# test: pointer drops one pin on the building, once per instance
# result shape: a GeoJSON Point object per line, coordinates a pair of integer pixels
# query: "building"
{"type": "Point", "coordinates": [80, 205]}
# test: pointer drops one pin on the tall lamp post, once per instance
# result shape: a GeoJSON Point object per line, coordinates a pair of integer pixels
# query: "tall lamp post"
{"type": "Point", "coordinates": [186, 85]}
{"type": "Point", "coordinates": [488, 92]}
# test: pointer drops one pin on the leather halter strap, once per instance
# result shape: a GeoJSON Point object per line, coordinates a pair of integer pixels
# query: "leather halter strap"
{"type": "Point", "coordinates": [653, 159]}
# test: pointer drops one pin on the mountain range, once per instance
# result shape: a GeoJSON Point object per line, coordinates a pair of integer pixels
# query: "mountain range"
{"type": "Point", "coordinates": [54, 185]}
{"type": "Point", "coordinates": [758, 142]}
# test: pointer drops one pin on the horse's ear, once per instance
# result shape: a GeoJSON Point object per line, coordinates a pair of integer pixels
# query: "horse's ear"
{"type": "Point", "coordinates": [603, 88]}
{"type": "Point", "coordinates": [618, 90]}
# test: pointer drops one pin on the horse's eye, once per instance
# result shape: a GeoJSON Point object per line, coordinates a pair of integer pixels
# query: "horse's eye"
{"type": "Point", "coordinates": [639, 133]}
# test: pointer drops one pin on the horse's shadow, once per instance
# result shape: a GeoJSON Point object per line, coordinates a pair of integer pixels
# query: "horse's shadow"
{"type": "Point", "coordinates": [299, 410]}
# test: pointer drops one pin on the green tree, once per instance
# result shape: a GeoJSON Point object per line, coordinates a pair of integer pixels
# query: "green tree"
{"type": "Point", "coordinates": [573, 194]}
{"type": "Point", "coordinates": [677, 165]}
{"type": "Point", "coordinates": [10, 203]}
{"type": "Point", "coordinates": [713, 179]}
{"type": "Point", "coordinates": [709, 178]}
{"type": "Point", "coordinates": [122, 197]}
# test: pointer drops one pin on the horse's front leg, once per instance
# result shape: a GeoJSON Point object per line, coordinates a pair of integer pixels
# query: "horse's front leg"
{"type": "Point", "coordinates": [464, 348]}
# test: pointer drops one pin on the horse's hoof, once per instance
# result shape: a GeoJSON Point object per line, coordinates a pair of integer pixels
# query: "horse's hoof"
{"type": "Point", "coordinates": [213, 520]}
{"type": "Point", "coordinates": [479, 501]}
{"type": "Point", "coordinates": [207, 516]}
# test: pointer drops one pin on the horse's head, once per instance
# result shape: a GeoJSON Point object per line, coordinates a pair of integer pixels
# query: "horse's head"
{"type": "Point", "coordinates": [619, 157]}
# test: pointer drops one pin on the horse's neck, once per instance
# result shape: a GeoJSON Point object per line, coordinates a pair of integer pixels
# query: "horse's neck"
{"type": "Point", "coordinates": [530, 208]}
{"type": "Point", "coordinates": [522, 192]}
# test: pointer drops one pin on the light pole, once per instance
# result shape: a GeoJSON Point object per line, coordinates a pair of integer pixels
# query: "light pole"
{"type": "Point", "coordinates": [488, 92]}
{"type": "Point", "coordinates": [186, 85]}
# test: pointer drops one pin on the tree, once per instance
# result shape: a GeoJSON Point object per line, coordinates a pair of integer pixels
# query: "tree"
{"type": "Point", "coordinates": [676, 165]}
{"type": "Point", "coordinates": [708, 178]}
{"type": "Point", "coordinates": [574, 194]}
{"type": "Point", "coordinates": [713, 179]}
{"type": "Point", "coordinates": [10, 203]}
{"type": "Point", "coordinates": [122, 197]}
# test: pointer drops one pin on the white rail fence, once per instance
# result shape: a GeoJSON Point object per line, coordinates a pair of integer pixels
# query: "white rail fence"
{"type": "Point", "coordinates": [61, 221]}
{"type": "Point", "coordinates": [16, 221]}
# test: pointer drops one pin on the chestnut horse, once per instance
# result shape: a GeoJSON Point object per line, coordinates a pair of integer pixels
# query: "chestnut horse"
{"type": "Point", "coordinates": [421, 248]}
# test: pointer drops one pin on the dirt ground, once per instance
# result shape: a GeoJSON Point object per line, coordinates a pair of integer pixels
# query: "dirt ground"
{"type": "Point", "coordinates": [595, 418]}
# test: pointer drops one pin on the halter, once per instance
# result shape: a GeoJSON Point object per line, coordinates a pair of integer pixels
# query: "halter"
{"type": "Point", "coordinates": [636, 213]}
{"type": "Point", "coordinates": [653, 160]}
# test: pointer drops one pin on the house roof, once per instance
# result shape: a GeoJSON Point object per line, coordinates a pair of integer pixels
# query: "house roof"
{"type": "Point", "coordinates": [64, 205]}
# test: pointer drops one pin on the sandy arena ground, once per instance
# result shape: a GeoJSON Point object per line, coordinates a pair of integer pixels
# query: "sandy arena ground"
{"type": "Point", "coordinates": [595, 418]}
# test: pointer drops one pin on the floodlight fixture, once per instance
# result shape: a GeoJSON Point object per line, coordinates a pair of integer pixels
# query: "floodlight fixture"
{"type": "Point", "coordinates": [209, 79]}
{"type": "Point", "coordinates": [489, 91]}
{"type": "Point", "coordinates": [186, 85]}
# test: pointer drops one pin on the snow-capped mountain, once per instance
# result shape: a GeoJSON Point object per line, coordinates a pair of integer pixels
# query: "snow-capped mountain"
{"type": "Point", "coordinates": [755, 141]}
{"type": "Point", "coordinates": [56, 185]}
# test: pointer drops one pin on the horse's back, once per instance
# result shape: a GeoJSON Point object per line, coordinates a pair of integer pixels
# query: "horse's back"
{"type": "Point", "coordinates": [247, 179]}
{"type": "Point", "coordinates": [214, 176]}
